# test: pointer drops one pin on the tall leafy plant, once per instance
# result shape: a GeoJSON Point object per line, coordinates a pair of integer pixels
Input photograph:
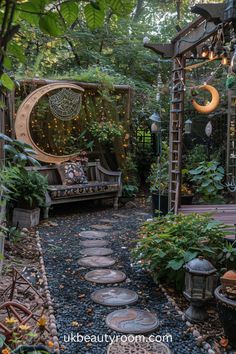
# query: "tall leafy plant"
{"type": "Point", "coordinates": [208, 177]}
{"type": "Point", "coordinates": [168, 242]}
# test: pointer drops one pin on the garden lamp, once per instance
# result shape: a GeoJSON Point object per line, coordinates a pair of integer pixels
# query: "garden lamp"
{"type": "Point", "coordinates": [156, 125]}
{"type": "Point", "coordinates": [188, 126]}
{"type": "Point", "coordinates": [199, 287]}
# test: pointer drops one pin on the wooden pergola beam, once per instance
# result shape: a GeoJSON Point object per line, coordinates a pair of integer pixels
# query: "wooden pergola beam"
{"type": "Point", "coordinates": [211, 12]}
{"type": "Point", "coordinates": [166, 50]}
{"type": "Point", "coordinates": [194, 38]}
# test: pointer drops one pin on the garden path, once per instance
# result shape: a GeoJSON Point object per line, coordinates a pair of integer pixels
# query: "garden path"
{"type": "Point", "coordinates": [78, 285]}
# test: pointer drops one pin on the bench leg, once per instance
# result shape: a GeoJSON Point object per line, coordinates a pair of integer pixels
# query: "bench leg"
{"type": "Point", "coordinates": [46, 212]}
{"type": "Point", "coordinates": [116, 204]}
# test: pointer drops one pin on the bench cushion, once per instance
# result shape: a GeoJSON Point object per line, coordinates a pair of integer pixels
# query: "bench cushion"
{"type": "Point", "coordinates": [63, 191]}
{"type": "Point", "coordinates": [72, 173]}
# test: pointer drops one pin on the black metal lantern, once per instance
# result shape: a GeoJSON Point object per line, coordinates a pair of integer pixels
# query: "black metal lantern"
{"type": "Point", "coordinates": [230, 11]}
{"type": "Point", "coordinates": [199, 287]}
{"type": "Point", "coordinates": [188, 126]}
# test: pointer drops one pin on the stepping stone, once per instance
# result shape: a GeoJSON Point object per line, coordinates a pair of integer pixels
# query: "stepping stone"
{"type": "Point", "coordinates": [137, 347]}
{"type": "Point", "coordinates": [122, 216]}
{"type": "Point", "coordinates": [105, 276]}
{"type": "Point", "coordinates": [133, 321]}
{"type": "Point", "coordinates": [108, 221]}
{"type": "Point", "coordinates": [96, 261]}
{"type": "Point", "coordinates": [96, 251]}
{"type": "Point", "coordinates": [93, 243]}
{"type": "Point", "coordinates": [93, 234]}
{"type": "Point", "coordinates": [101, 227]}
{"type": "Point", "coordinates": [114, 297]}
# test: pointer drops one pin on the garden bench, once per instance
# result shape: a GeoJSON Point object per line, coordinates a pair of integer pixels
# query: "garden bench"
{"type": "Point", "coordinates": [102, 184]}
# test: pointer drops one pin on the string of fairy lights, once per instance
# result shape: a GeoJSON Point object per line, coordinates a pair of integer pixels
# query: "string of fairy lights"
{"type": "Point", "coordinates": [55, 136]}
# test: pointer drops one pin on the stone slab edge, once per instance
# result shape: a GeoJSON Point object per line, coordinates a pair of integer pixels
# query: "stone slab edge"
{"type": "Point", "coordinates": [52, 319]}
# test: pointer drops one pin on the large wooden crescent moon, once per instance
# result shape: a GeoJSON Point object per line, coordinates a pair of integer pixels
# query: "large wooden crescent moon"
{"type": "Point", "coordinates": [212, 105]}
{"type": "Point", "coordinates": [22, 122]}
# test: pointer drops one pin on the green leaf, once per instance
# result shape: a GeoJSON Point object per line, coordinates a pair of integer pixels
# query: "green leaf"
{"type": "Point", "coordinates": [94, 17]}
{"type": "Point", "coordinates": [30, 11]}
{"type": "Point", "coordinates": [176, 265]}
{"type": "Point", "coordinates": [16, 51]}
{"type": "Point", "coordinates": [122, 7]}
{"type": "Point", "coordinates": [69, 11]}
{"type": "Point", "coordinates": [7, 63]}
{"type": "Point", "coordinates": [188, 256]}
{"type": "Point", "coordinates": [7, 82]}
{"type": "Point", "coordinates": [2, 340]}
{"type": "Point", "coordinates": [51, 24]}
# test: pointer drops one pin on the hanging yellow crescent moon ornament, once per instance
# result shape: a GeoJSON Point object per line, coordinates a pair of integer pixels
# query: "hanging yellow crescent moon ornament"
{"type": "Point", "coordinates": [212, 105]}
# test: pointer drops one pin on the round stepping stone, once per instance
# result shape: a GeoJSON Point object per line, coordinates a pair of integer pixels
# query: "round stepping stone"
{"type": "Point", "coordinates": [96, 261]}
{"type": "Point", "coordinates": [133, 321]}
{"type": "Point", "coordinates": [105, 276]}
{"type": "Point", "coordinates": [101, 227]}
{"type": "Point", "coordinates": [92, 234]}
{"type": "Point", "coordinates": [108, 221]}
{"type": "Point", "coordinates": [114, 297]}
{"type": "Point", "coordinates": [121, 216]}
{"type": "Point", "coordinates": [96, 251]}
{"type": "Point", "coordinates": [137, 347]}
{"type": "Point", "coordinates": [93, 243]}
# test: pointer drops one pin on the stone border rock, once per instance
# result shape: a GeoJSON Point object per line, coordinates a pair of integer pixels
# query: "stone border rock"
{"type": "Point", "coordinates": [52, 320]}
{"type": "Point", "coordinates": [196, 334]}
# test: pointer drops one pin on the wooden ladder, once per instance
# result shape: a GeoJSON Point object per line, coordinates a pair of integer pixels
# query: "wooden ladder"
{"type": "Point", "coordinates": [176, 132]}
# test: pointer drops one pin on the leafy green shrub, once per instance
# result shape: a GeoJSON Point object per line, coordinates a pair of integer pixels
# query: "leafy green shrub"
{"type": "Point", "coordinates": [129, 190]}
{"type": "Point", "coordinates": [208, 178]}
{"type": "Point", "coordinates": [167, 243]}
{"type": "Point", "coordinates": [26, 188]}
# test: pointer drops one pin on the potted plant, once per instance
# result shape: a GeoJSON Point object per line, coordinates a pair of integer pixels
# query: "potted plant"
{"type": "Point", "coordinates": [186, 194]}
{"type": "Point", "coordinates": [24, 187]}
{"type": "Point", "coordinates": [27, 191]}
{"type": "Point", "coordinates": [159, 182]}
{"type": "Point", "coordinates": [226, 303]}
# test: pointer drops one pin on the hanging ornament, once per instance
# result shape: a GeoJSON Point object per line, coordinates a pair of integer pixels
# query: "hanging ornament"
{"type": "Point", "coordinates": [233, 61]}
{"type": "Point", "coordinates": [65, 104]}
{"type": "Point", "coordinates": [208, 129]}
{"type": "Point", "coordinates": [212, 105]}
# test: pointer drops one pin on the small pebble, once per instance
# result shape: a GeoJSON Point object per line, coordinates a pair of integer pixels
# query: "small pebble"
{"type": "Point", "coordinates": [196, 333]}
{"type": "Point", "coordinates": [206, 346]}
{"type": "Point", "coordinates": [211, 351]}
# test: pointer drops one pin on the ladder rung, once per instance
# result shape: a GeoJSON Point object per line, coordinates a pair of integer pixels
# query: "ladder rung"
{"type": "Point", "coordinates": [176, 111]}
{"type": "Point", "coordinates": [174, 131]}
{"type": "Point", "coordinates": [176, 141]}
{"type": "Point", "coordinates": [175, 171]}
{"type": "Point", "coordinates": [177, 100]}
{"type": "Point", "coordinates": [175, 161]}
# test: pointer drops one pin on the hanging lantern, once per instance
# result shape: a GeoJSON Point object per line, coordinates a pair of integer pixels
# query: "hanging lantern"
{"type": "Point", "coordinates": [188, 126]}
{"type": "Point", "coordinates": [156, 125]}
{"type": "Point", "coordinates": [208, 129]}
{"type": "Point", "coordinates": [211, 53]}
{"type": "Point", "coordinates": [205, 51]}
{"type": "Point", "coordinates": [233, 61]}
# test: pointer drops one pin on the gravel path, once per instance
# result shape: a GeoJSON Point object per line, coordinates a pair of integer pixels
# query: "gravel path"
{"type": "Point", "coordinates": [76, 313]}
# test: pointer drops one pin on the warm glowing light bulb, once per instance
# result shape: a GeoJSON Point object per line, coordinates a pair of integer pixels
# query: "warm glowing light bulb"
{"type": "Point", "coordinates": [211, 55]}
{"type": "Point", "coordinates": [224, 60]}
